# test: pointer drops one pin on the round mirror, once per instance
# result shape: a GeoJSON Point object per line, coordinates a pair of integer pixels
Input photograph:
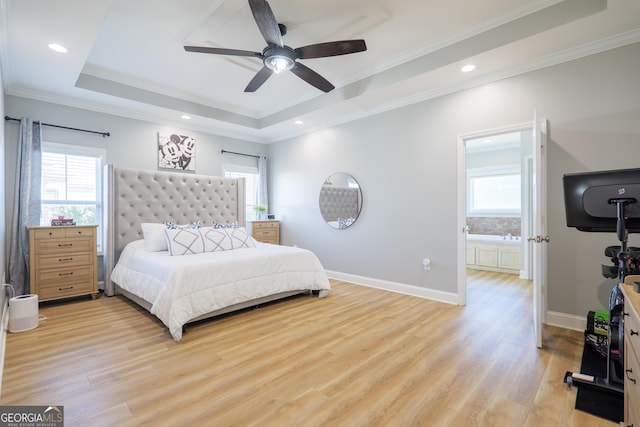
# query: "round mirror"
{"type": "Point", "coordinates": [340, 200]}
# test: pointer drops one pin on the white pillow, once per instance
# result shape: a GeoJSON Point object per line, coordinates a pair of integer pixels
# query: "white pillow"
{"type": "Point", "coordinates": [154, 239]}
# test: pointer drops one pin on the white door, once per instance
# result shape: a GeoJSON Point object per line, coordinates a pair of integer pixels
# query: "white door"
{"type": "Point", "coordinates": [540, 238]}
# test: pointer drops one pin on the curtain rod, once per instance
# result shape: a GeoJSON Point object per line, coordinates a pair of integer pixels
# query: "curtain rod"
{"type": "Point", "coordinates": [240, 154]}
{"type": "Point", "coordinates": [104, 134]}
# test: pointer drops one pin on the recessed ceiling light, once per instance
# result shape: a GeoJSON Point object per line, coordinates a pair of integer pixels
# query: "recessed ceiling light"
{"type": "Point", "coordinates": [57, 48]}
{"type": "Point", "coordinates": [468, 68]}
{"type": "Point", "coordinates": [298, 122]}
{"type": "Point", "coordinates": [186, 117]}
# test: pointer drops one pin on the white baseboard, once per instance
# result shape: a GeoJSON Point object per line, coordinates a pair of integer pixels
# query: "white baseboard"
{"type": "Point", "coordinates": [4, 327]}
{"type": "Point", "coordinates": [400, 288]}
{"type": "Point", "coordinates": [567, 321]}
{"type": "Point", "coordinates": [553, 318]}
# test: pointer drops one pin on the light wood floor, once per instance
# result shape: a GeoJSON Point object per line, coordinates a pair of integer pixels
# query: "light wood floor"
{"type": "Point", "coordinates": [360, 357]}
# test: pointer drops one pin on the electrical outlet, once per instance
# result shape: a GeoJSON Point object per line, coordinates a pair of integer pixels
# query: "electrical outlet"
{"type": "Point", "coordinates": [426, 264]}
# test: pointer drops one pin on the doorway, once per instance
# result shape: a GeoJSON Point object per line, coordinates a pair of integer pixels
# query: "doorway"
{"type": "Point", "coordinates": [495, 202]}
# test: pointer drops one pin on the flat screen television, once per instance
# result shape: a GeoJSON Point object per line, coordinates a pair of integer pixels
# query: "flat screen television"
{"type": "Point", "coordinates": [590, 200]}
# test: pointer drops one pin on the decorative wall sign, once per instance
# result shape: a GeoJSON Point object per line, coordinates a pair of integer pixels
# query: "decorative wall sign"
{"type": "Point", "coordinates": [176, 152]}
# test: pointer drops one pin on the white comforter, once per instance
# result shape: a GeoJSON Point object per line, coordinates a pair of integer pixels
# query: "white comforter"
{"type": "Point", "coordinates": [181, 288]}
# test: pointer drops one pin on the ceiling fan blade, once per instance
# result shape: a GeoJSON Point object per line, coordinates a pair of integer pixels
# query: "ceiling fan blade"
{"type": "Point", "coordinates": [266, 21]}
{"type": "Point", "coordinates": [221, 51]}
{"type": "Point", "coordinates": [311, 77]}
{"type": "Point", "coordinates": [322, 50]}
{"type": "Point", "coordinates": [259, 79]}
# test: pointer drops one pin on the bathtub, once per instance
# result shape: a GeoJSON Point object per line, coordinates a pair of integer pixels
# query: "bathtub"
{"type": "Point", "coordinates": [494, 253]}
{"type": "Point", "coordinates": [493, 239]}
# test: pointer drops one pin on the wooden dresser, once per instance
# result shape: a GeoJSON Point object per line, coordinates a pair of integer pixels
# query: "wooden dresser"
{"type": "Point", "coordinates": [266, 231]}
{"type": "Point", "coordinates": [63, 261]}
{"type": "Point", "coordinates": [631, 355]}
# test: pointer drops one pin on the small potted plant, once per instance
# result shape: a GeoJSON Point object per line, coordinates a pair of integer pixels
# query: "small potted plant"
{"type": "Point", "coordinates": [260, 211]}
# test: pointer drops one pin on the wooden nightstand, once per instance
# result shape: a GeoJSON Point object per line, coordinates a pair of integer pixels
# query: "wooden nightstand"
{"type": "Point", "coordinates": [266, 231]}
{"type": "Point", "coordinates": [63, 261]}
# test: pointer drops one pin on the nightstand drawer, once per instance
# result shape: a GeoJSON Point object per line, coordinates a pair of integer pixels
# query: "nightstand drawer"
{"type": "Point", "coordinates": [57, 261]}
{"type": "Point", "coordinates": [265, 234]}
{"type": "Point", "coordinates": [265, 224]}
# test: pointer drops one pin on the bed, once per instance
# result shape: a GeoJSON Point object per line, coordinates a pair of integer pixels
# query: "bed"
{"type": "Point", "coordinates": [224, 270]}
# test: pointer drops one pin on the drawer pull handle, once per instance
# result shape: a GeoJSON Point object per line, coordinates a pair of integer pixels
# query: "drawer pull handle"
{"type": "Point", "coordinates": [65, 245]}
{"type": "Point", "coordinates": [632, 333]}
{"type": "Point", "coordinates": [630, 371]}
{"type": "Point", "coordinates": [68, 288]}
{"type": "Point", "coordinates": [65, 259]}
{"type": "Point", "coordinates": [65, 274]}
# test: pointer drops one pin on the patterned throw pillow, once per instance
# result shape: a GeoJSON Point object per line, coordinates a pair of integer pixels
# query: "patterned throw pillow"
{"type": "Point", "coordinates": [217, 224]}
{"type": "Point", "coordinates": [173, 226]}
{"type": "Point", "coordinates": [189, 241]}
{"type": "Point", "coordinates": [240, 238]}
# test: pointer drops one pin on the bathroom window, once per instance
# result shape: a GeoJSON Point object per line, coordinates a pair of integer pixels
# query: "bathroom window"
{"type": "Point", "coordinates": [494, 191]}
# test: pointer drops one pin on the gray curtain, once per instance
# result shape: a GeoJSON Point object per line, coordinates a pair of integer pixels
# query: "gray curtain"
{"type": "Point", "coordinates": [26, 203]}
{"type": "Point", "coordinates": [263, 197]}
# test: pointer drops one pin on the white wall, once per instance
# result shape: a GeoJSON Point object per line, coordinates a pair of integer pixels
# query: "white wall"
{"type": "Point", "coordinates": [405, 162]}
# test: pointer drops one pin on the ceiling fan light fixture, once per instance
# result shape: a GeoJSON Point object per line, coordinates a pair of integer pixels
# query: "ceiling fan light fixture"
{"type": "Point", "coordinates": [279, 63]}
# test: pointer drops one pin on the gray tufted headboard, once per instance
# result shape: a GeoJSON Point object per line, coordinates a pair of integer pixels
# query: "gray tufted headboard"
{"type": "Point", "coordinates": [133, 196]}
{"type": "Point", "coordinates": [339, 202]}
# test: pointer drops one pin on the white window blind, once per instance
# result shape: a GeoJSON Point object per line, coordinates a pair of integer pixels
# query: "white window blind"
{"type": "Point", "coordinates": [72, 185]}
{"type": "Point", "coordinates": [250, 174]}
{"type": "Point", "coordinates": [494, 191]}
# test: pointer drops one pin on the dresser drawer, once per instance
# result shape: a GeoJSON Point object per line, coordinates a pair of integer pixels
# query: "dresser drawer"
{"type": "Point", "coordinates": [631, 388]}
{"type": "Point", "coordinates": [633, 411]}
{"type": "Point", "coordinates": [57, 261]}
{"type": "Point", "coordinates": [63, 232]}
{"type": "Point", "coordinates": [61, 275]}
{"type": "Point", "coordinates": [631, 329]}
{"type": "Point", "coordinates": [61, 290]}
{"type": "Point", "coordinates": [62, 246]}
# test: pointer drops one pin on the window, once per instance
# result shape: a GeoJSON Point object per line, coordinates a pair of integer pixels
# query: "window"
{"type": "Point", "coordinates": [72, 185]}
{"type": "Point", "coordinates": [494, 191]}
{"type": "Point", "coordinates": [250, 174]}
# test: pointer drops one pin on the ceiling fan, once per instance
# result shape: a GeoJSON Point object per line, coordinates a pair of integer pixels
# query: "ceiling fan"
{"type": "Point", "coordinates": [277, 57]}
